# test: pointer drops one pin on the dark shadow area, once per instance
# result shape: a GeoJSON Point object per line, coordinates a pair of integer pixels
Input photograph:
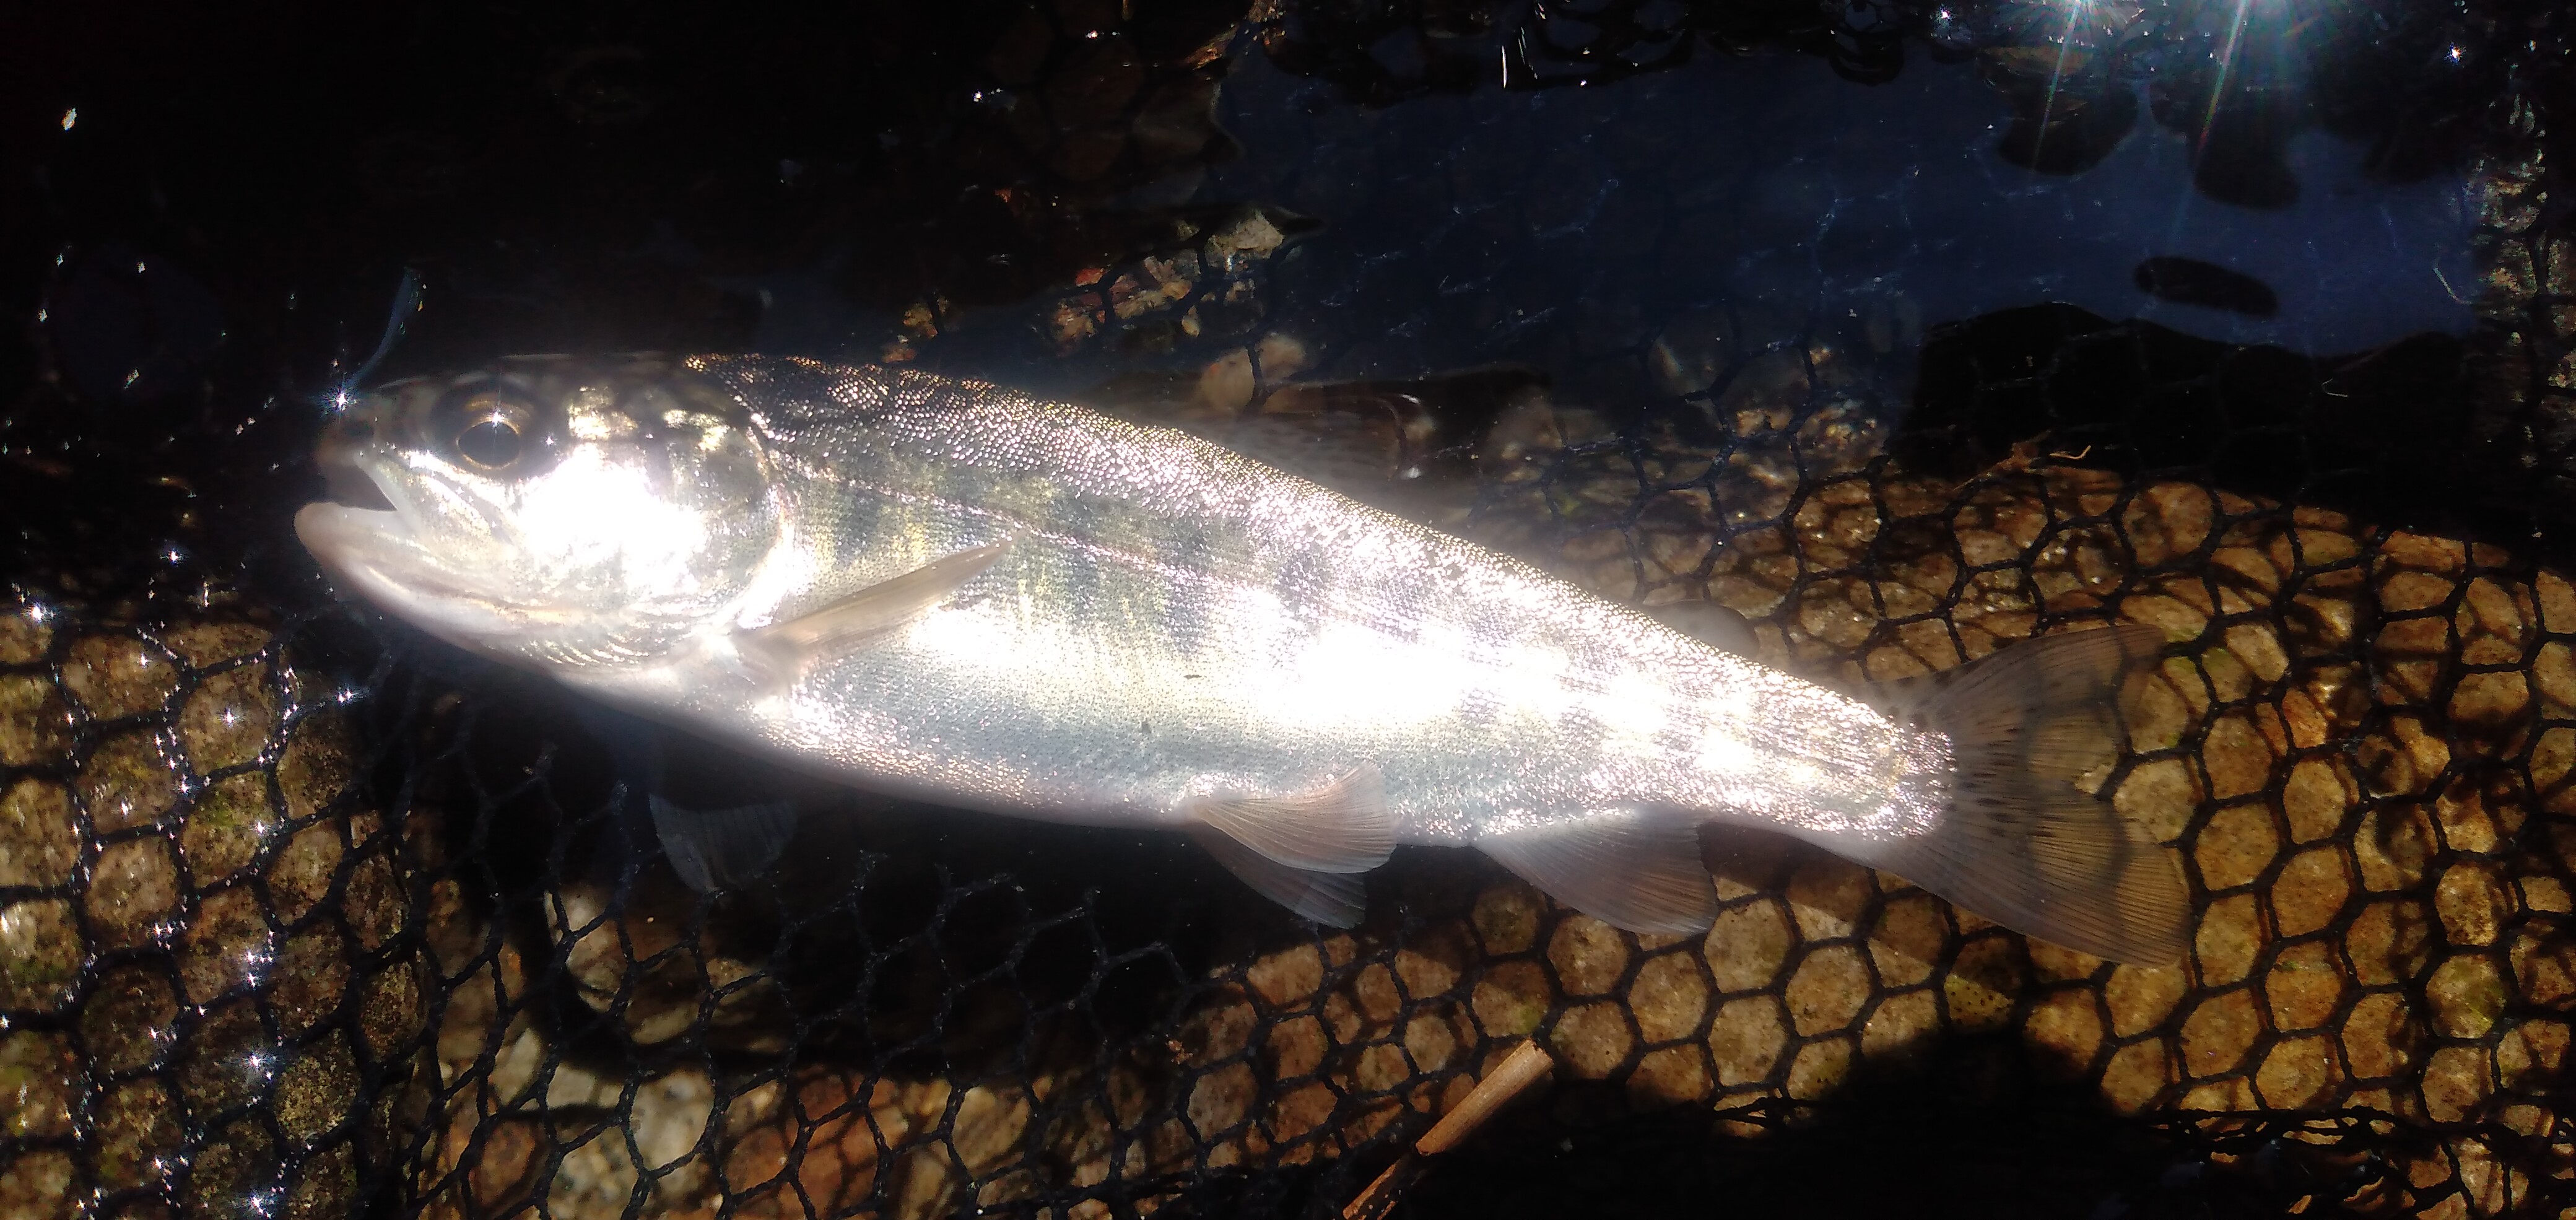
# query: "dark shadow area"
{"type": "Point", "coordinates": [2402, 435]}
{"type": "Point", "coordinates": [1975, 1127]}
{"type": "Point", "coordinates": [2191, 281]}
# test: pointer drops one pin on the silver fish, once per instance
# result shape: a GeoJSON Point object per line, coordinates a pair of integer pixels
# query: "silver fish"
{"type": "Point", "coordinates": [951, 590]}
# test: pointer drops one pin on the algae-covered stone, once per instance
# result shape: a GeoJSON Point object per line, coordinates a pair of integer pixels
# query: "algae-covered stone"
{"type": "Point", "coordinates": [210, 1006]}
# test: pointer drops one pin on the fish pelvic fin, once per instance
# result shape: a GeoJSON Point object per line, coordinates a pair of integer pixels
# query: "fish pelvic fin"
{"type": "Point", "coordinates": [1626, 868]}
{"type": "Point", "coordinates": [1333, 899]}
{"type": "Point", "coordinates": [2018, 842]}
{"type": "Point", "coordinates": [722, 847]}
{"type": "Point", "coordinates": [1342, 826]}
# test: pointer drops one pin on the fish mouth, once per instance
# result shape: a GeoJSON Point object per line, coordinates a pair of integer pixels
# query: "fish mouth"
{"type": "Point", "coordinates": [349, 484]}
{"type": "Point", "coordinates": [369, 545]}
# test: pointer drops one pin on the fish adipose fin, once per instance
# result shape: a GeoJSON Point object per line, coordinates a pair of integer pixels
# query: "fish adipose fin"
{"type": "Point", "coordinates": [2019, 843]}
{"type": "Point", "coordinates": [881, 607]}
{"type": "Point", "coordinates": [1333, 899]}
{"type": "Point", "coordinates": [722, 847]}
{"type": "Point", "coordinates": [1709, 623]}
{"type": "Point", "coordinates": [1340, 827]}
{"type": "Point", "coordinates": [1625, 868]}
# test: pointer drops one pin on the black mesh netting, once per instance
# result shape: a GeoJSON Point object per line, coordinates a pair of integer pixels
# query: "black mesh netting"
{"type": "Point", "coordinates": [303, 915]}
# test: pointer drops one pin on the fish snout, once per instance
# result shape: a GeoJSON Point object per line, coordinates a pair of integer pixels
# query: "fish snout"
{"type": "Point", "coordinates": [352, 433]}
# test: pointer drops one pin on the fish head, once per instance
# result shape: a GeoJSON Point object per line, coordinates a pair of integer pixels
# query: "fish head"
{"type": "Point", "coordinates": [548, 512]}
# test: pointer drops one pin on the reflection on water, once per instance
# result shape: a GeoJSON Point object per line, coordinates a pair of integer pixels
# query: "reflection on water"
{"type": "Point", "coordinates": [1768, 180]}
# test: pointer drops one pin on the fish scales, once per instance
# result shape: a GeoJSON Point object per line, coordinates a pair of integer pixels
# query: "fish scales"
{"type": "Point", "coordinates": [948, 589]}
{"type": "Point", "coordinates": [1279, 633]}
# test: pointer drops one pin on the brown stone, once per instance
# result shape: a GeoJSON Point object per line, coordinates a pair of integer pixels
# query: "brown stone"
{"type": "Point", "coordinates": [1901, 1025]}
{"type": "Point", "coordinates": [2297, 1073]}
{"type": "Point", "coordinates": [137, 1134]}
{"type": "Point", "coordinates": [2466, 995]}
{"type": "Point", "coordinates": [1289, 978]}
{"type": "Point", "coordinates": [301, 874]}
{"type": "Point", "coordinates": [2379, 1037]}
{"type": "Point", "coordinates": [2066, 1027]}
{"type": "Point", "coordinates": [225, 946]}
{"type": "Point", "coordinates": [42, 1075]}
{"type": "Point", "coordinates": [1748, 945]}
{"type": "Point", "coordinates": [2388, 940]}
{"type": "Point", "coordinates": [38, 1185]}
{"type": "Point", "coordinates": [1819, 1068]}
{"type": "Point", "coordinates": [2311, 891]}
{"type": "Point", "coordinates": [2217, 1033]}
{"type": "Point", "coordinates": [2471, 903]}
{"type": "Point", "coordinates": [1982, 985]}
{"type": "Point", "coordinates": [1592, 1040]}
{"type": "Point", "coordinates": [128, 781]}
{"type": "Point", "coordinates": [133, 892]}
{"type": "Point", "coordinates": [2236, 846]}
{"type": "Point", "coordinates": [2456, 1083]}
{"type": "Point", "coordinates": [1746, 1039]}
{"type": "Point", "coordinates": [35, 727]}
{"type": "Point", "coordinates": [2136, 1077]}
{"type": "Point", "coordinates": [227, 825]}
{"type": "Point", "coordinates": [2227, 940]}
{"type": "Point", "coordinates": [1907, 938]}
{"type": "Point", "coordinates": [40, 954]}
{"type": "Point", "coordinates": [2238, 759]}
{"type": "Point", "coordinates": [1827, 990]}
{"type": "Point", "coordinates": [2303, 987]}
{"type": "Point", "coordinates": [1668, 998]}
{"type": "Point", "coordinates": [114, 676]}
{"type": "Point", "coordinates": [1589, 955]}
{"type": "Point", "coordinates": [39, 843]}
{"type": "Point", "coordinates": [1827, 896]}
{"type": "Point", "coordinates": [229, 718]}
{"type": "Point", "coordinates": [2140, 998]}
{"type": "Point", "coordinates": [24, 638]}
{"type": "Point", "coordinates": [1512, 998]}
{"type": "Point", "coordinates": [1673, 1074]}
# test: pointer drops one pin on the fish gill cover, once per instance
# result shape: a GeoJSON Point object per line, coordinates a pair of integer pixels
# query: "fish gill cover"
{"type": "Point", "coordinates": [1902, 331]}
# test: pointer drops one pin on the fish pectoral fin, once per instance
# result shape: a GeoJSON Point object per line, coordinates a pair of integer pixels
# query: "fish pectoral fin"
{"type": "Point", "coordinates": [722, 847]}
{"type": "Point", "coordinates": [1341, 827]}
{"type": "Point", "coordinates": [1333, 899]}
{"type": "Point", "coordinates": [879, 608]}
{"type": "Point", "coordinates": [1625, 868]}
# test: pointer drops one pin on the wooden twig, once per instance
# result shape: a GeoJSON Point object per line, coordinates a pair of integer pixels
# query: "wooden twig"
{"type": "Point", "coordinates": [1515, 1073]}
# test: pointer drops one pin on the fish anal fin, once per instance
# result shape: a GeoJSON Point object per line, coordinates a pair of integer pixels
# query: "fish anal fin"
{"type": "Point", "coordinates": [1341, 826]}
{"type": "Point", "coordinates": [1626, 868]}
{"type": "Point", "coordinates": [1333, 899]}
{"type": "Point", "coordinates": [1709, 623]}
{"type": "Point", "coordinates": [879, 608]}
{"type": "Point", "coordinates": [722, 847]}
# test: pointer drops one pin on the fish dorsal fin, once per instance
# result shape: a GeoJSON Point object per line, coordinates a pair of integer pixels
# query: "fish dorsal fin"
{"type": "Point", "coordinates": [1333, 899]}
{"type": "Point", "coordinates": [721, 847]}
{"type": "Point", "coordinates": [1623, 867]}
{"type": "Point", "coordinates": [879, 608]}
{"type": "Point", "coordinates": [1340, 827]}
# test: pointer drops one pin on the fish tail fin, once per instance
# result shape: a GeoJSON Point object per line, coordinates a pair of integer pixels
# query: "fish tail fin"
{"type": "Point", "coordinates": [2017, 842]}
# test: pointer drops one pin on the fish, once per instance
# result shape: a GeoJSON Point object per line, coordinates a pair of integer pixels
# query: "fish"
{"type": "Point", "coordinates": [953, 591]}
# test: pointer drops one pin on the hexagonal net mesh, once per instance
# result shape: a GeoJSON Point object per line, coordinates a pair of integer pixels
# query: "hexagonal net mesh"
{"type": "Point", "coordinates": [301, 915]}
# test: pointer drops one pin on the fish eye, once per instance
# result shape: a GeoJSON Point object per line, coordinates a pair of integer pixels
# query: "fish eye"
{"type": "Point", "coordinates": [490, 443]}
{"type": "Point", "coordinates": [492, 435]}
